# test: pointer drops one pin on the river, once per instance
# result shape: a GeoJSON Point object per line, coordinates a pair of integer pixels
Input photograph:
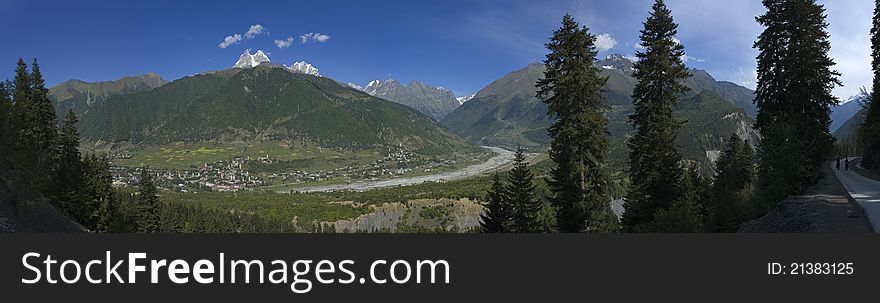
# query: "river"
{"type": "Point", "coordinates": [502, 158]}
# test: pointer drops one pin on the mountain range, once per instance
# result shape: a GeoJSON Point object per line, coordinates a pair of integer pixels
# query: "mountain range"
{"type": "Point", "coordinates": [507, 112]}
{"type": "Point", "coordinates": [264, 102]}
{"type": "Point", "coordinates": [436, 102]}
{"type": "Point", "coordinates": [842, 113]}
{"type": "Point", "coordinates": [80, 96]}
{"type": "Point", "coordinates": [851, 127]}
{"type": "Point", "coordinates": [248, 60]}
{"type": "Point", "coordinates": [464, 99]}
{"type": "Point", "coordinates": [258, 99]}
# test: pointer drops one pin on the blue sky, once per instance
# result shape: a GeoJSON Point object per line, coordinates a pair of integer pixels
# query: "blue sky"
{"type": "Point", "coordinates": [458, 44]}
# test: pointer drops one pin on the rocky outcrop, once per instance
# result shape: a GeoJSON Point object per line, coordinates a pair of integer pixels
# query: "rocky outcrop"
{"type": "Point", "coordinates": [435, 102]}
{"type": "Point", "coordinates": [424, 215]}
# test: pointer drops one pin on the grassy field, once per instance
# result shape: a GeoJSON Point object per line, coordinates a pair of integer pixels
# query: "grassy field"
{"type": "Point", "coordinates": [185, 155]}
{"type": "Point", "coordinates": [305, 208]}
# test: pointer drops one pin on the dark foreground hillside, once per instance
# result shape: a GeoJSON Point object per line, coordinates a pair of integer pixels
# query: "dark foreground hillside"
{"type": "Point", "coordinates": [34, 216]}
{"type": "Point", "coordinates": [823, 208]}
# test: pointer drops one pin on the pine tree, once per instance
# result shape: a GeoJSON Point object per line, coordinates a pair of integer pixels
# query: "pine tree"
{"type": "Point", "coordinates": [781, 163]}
{"type": "Point", "coordinates": [5, 123]}
{"type": "Point", "coordinates": [101, 198]}
{"type": "Point", "coordinates": [20, 152]}
{"type": "Point", "coordinates": [45, 123]}
{"type": "Point", "coordinates": [795, 79]}
{"type": "Point", "coordinates": [870, 132]}
{"type": "Point", "coordinates": [498, 215]}
{"type": "Point", "coordinates": [148, 208]}
{"type": "Point", "coordinates": [732, 188]}
{"type": "Point", "coordinates": [573, 91]}
{"type": "Point", "coordinates": [21, 90]}
{"type": "Point", "coordinates": [655, 169]}
{"type": "Point", "coordinates": [746, 162]}
{"type": "Point", "coordinates": [35, 127]}
{"type": "Point", "coordinates": [769, 93]}
{"type": "Point", "coordinates": [812, 80]}
{"type": "Point", "coordinates": [686, 213]}
{"type": "Point", "coordinates": [521, 194]}
{"type": "Point", "coordinates": [68, 187]}
{"type": "Point", "coordinates": [730, 173]}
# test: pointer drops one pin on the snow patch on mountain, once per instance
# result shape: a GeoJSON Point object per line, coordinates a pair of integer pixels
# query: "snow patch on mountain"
{"type": "Point", "coordinates": [844, 111]}
{"type": "Point", "coordinates": [305, 68]}
{"type": "Point", "coordinates": [355, 86]}
{"type": "Point", "coordinates": [433, 101]}
{"type": "Point", "coordinates": [463, 99]}
{"type": "Point", "coordinates": [380, 87]}
{"type": "Point", "coordinates": [616, 62]}
{"type": "Point", "coordinates": [248, 60]}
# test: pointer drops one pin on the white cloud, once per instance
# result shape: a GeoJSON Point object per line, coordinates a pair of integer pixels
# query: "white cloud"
{"type": "Point", "coordinates": [605, 42]}
{"type": "Point", "coordinates": [746, 78]}
{"type": "Point", "coordinates": [284, 43]}
{"type": "Point", "coordinates": [230, 40]}
{"type": "Point", "coordinates": [311, 37]}
{"type": "Point", "coordinates": [254, 31]}
{"type": "Point", "coordinates": [686, 58]}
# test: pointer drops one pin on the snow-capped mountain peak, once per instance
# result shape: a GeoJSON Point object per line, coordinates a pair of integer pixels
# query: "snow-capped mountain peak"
{"type": "Point", "coordinates": [305, 68]}
{"type": "Point", "coordinates": [260, 57]}
{"type": "Point", "coordinates": [463, 99]}
{"type": "Point", "coordinates": [434, 101]}
{"type": "Point", "coordinates": [355, 86]}
{"type": "Point", "coordinates": [379, 87]}
{"type": "Point", "coordinates": [248, 60]}
{"type": "Point", "coordinates": [616, 62]}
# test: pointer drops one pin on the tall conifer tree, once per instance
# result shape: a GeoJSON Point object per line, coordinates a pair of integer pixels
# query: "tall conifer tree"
{"type": "Point", "coordinates": [573, 91]}
{"type": "Point", "coordinates": [45, 124]}
{"type": "Point", "coordinates": [35, 127]}
{"type": "Point", "coordinates": [771, 46]}
{"type": "Point", "coordinates": [521, 194]}
{"type": "Point", "coordinates": [5, 123]}
{"type": "Point", "coordinates": [795, 79]}
{"type": "Point", "coordinates": [733, 184]}
{"type": "Point", "coordinates": [871, 128]}
{"type": "Point", "coordinates": [20, 151]}
{"type": "Point", "coordinates": [21, 85]}
{"type": "Point", "coordinates": [685, 213]}
{"type": "Point", "coordinates": [812, 80]}
{"type": "Point", "coordinates": [148, 208]}
{"type": "Point", "coordinates": [497, 217]}
{"type": "Point", "coordinates": [655, 168]}
{"type": "Point", "coordinates": [68, 187]}
{"type": "Point", "coordinates": [102, 200]}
